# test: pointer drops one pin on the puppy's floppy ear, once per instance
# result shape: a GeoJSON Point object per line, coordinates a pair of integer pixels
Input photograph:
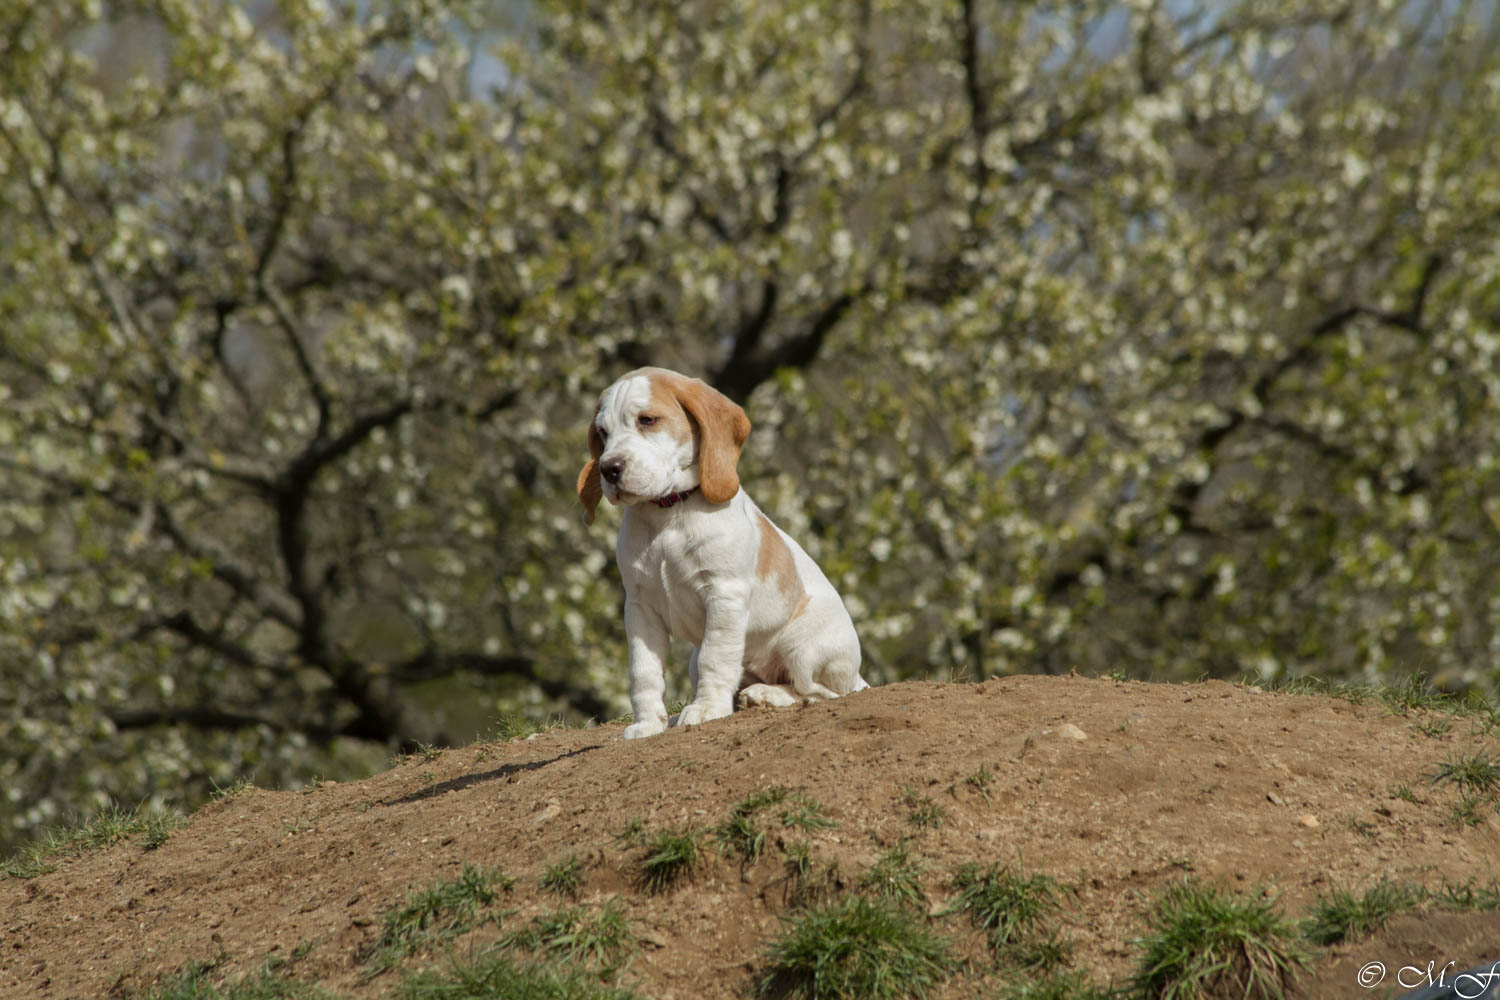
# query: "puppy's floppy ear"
{"type": "Point", "coordinates": [722, 430]}
{"type": "Point", "coordinates": [590, 489]}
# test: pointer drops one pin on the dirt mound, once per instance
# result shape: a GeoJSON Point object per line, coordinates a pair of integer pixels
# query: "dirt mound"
{"type": "Point", "coordinates": [1115, 789]}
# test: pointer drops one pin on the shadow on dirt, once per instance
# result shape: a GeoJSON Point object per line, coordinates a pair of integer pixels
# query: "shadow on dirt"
{"type": "Point", "coordinates": [467, 780]}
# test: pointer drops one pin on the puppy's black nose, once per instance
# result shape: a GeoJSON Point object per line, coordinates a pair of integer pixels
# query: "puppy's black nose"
{"type": "Point", "coordinates": [612, 469]}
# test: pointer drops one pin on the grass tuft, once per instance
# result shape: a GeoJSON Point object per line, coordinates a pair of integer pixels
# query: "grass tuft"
{"type": "Point", "coordinates": [563, 877]}
{"type": "Point", "coordinates": [750, 805]}
{"type": "Point", "coordinates": [895, 878]}
{"type": "Point", "coordinates": [1342, 915]}
{"type": "Point", "coordinates": [195, 982]}
{"type": "Point", "coordinates": [112, 825]}
{"type": "Point", "coordinates": [1477, 778]}
{"type": "Point", "coordinates": [159, 827]}
{"type": "Point", "coordinates": [1313, 685]}
{"type": "Point", "coordinates": [1040, 952]}
{"type": "Point", "coordinates": [1414, 694]}
{"type": "Point", "coordinates": [494, 975]}
{"type": "Point", "coordinates": [1433, 726]}
{"type": "Point", "coordinates": [602, 941]}
{"type": "Point", "coordinates": [924, 813]}
{"type": "Point", "coordinates": [803, 812]}
{"type": "Point", "coordinates": [634, 832]}
{"type": "Point", "coordinates": [512, 726]}
{"type": "Point", "coordinates": [235, 788]}
{"type": "Point", "coordinates": [1013, 908]}
{"type": "Point", "coordinates": [441, 911]}
{"type": "Point", "coordinates": [807, 886]}
{"type": "Point", "coordinates": [1204, 942]}
{"type": "Point", "coordinates": [739, 835]}
{"type": "Point", "coordinates": [1479, 774]}
{"type": "Point", "coordinates": [1059, 986]}
{"type": "Point", "coordinates": [981, 780]}
{"type": "Point", "coordinates": [671, 857]}
{"type": "Point", "coordinates": [1467, 897]}
{"type": "Point", "coordinates": [1471, 810]}
{"type": "Point", "coordinates": [798, 858]}
{"type": "Point", "coordinates": [855, 949]}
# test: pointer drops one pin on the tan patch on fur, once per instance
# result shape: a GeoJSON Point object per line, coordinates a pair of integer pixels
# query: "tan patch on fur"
{"type": "Point", "coordinates": [774, 562]}
{"type": "Point", "coordinates": [722, 429]}
{"type": "Point", "coordinates": [590, 489]}
{"type": "Point", "coordinates": [667, 408]}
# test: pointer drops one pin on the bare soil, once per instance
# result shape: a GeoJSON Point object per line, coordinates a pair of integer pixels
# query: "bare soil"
{"type": "Point", "coordinates": [1116, 789]}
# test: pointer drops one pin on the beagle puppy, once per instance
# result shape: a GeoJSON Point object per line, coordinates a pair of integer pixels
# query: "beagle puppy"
{"type": "Point", "coordinates": [701, 562]}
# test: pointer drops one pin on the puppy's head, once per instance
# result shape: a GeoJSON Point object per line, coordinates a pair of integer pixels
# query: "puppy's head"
{"type": "Point", "coordinates": [656, 433]}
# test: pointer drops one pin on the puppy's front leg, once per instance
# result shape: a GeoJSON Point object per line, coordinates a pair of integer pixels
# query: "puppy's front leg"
{"type": "Point", "coordinates": [720, 658]}
{"type": "Point", "coordinates": [648, 641]}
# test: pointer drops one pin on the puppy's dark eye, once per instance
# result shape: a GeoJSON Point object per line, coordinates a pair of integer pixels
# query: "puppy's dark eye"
{"type": "Point", "coordinates": [646, 421]}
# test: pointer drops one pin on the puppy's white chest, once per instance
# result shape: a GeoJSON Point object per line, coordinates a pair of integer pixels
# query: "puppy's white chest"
{"type": "Point", "coordinates": [662, 572]}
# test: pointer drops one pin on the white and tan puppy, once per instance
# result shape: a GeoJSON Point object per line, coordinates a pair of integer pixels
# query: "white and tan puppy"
{"type": "Point", "coordinates": [701, 562]}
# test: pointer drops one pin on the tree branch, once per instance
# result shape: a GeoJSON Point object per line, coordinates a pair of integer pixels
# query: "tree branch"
{"type": "Point", "coordinates": [321, 453]}
{"type": "Point", "coordinates": [979, 112]}
{"type": "Point", "coordinates": [184, 625]}
{"type": "Point", "coordinates": [497, 403]}
{"type": "Point", "coordinates": [128, 322]}
{"type": "Point", "coordinates": [380, 718]}
{"type": "Point", "coordinates": [297, 340]}
{"type": "Point", "coordinates": [1409, 319]}
{"type": "Point", "coordinates": [753, 325]}
{"type": "Point", "coordinates": [737, 379]}
{"type": "Point", "coordinates": [197, 716]}
{"type": "Point", "coordinates": [293, 491]}
{"type": "Point", "coordinates": [284, 194]}
{"type": "Point", "coordinates": [228, 570]}
{"type": "Point", "coordinates": [786, 167]}
{"type": "Point", "coordinates": [661, 136]}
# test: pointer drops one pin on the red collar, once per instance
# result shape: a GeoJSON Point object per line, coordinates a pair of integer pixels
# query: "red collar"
{"type": "Point", "coordinates": [673, 499]}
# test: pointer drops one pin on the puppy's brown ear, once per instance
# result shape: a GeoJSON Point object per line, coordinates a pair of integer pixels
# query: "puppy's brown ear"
{"type": "Point", "coordinates": [722, 430]}
{"type": "Point", "coordinates": [590, 489]}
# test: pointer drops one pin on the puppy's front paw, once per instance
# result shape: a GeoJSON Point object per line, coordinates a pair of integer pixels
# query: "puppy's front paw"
{"type": "Point", "coordinates": [697, 712]}
{"type": "Point", "coordinates": [650, 727]}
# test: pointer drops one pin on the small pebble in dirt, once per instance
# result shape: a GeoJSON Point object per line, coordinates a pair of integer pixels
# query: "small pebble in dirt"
{"type": "Point", "coordinates": [1068, 731]}
{"type": "Point", "coordinates": [1308, 820]}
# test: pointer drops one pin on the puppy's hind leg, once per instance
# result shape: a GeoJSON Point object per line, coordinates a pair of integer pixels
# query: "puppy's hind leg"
{"type": "Point", "coordinates": [799, 679]}
{"type": "Point", "coordinates": [813, 691]}
{"type": "Point", "coordinates": [768, 696]}
{"type": "Point", "coordinates": [830, 672]}
{"type": "Point", "coordinates": [802, 690]}
{"type": "Point", "coordinates": [807, 677]}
